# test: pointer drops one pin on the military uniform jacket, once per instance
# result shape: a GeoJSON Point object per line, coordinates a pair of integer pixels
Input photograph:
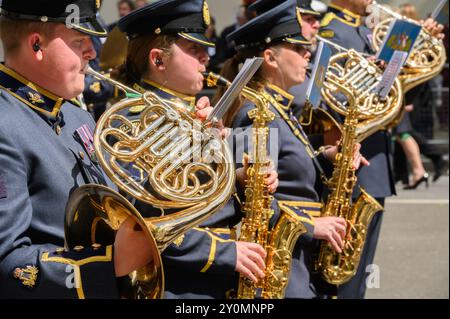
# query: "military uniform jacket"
{"type": "Point", "coordinates": [42, 160]}
{"type": "Point", "coordinates": [297, 182]}
{"type": "Point", "coordinates": [200, 263]}
{"type": "Point", "coordinates": [347, 30]}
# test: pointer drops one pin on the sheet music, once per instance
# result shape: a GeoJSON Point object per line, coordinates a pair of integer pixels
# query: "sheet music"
{"type": "Point", "coordinates": [244, 76]}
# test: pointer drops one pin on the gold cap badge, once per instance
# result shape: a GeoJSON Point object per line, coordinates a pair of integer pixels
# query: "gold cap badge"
{"type": "Point", "coordinates": [206, 15]}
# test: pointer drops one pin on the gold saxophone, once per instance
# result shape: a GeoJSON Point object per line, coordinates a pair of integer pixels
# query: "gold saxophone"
{"type": "Point", "coordinates": [165, 158]}
{"type": "Point", "coordinates": [365, 113]}
{"type": "Point", "coordinates": [280, 241]}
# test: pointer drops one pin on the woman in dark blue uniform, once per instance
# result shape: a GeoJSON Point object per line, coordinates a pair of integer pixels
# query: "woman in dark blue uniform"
{"type": "Point", "coordinates": [166, 54]}
{"type": "Point", "coordinates": [276, 36]}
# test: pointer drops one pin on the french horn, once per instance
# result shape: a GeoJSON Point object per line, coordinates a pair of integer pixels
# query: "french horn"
{"type": "Point", "coordinates": [427, 58]}
{"type": "Point", "coordinates": [360, 76]}
{"type": "Point", "coordinates": [164, 157]}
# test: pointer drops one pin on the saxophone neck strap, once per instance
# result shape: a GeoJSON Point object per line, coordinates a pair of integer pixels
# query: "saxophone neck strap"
{"type": "Point", "coordinates": [298, 131]}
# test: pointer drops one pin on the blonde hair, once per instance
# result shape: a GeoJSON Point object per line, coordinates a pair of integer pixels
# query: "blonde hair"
{"type": "Point", "coordinates": [14, 32]}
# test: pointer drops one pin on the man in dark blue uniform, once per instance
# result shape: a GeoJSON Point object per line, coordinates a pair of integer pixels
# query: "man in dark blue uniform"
{"type": "Point", "coordinates": [46, 152]}
{"type": "Point", "coordinates": [344, 25]}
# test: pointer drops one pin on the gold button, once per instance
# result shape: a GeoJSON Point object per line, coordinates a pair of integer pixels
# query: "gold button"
{"type": "Point", "coordinates": [78, 248]}
{"type": "Point", "coordinates": [81, 155]}
{"type": "Point", "coordinates": [60, 250]}
{"type": "Point", "coordinates": [96, 246]}
{"type": "Point", "coordinates": [58, 129]}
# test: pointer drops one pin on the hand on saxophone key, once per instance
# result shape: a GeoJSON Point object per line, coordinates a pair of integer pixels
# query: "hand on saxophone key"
{"type": "Point", "coordinates": [203, 109]}
{"type": "Point", "coordinates": [358, 159]}
{"type": "Point", "coordinates": [331, 229]}
{"type": "Point", "coordinates": [130, 248]}
{"type": "Point", "coordinates": [271, 180]}
{"type": "Point", "coordinates": [250, 260]}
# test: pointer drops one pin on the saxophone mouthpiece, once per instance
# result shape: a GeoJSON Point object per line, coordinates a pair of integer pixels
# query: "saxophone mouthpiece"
{"type": "Point", "coordinates": [213, 80]}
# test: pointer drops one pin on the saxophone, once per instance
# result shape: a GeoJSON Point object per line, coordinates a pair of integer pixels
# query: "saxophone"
{"type": "Point", "coordinates": [361, 120]}
{"type": "Point", "coordinates": [339, 268]}
{"type": "Point", "coordinates": [280, 241]}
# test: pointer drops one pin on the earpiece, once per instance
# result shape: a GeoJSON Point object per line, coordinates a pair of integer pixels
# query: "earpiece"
{"type": "Point", "coordinates": [158, 61]}
{"type": "Point", "coordinates": [36, 47]}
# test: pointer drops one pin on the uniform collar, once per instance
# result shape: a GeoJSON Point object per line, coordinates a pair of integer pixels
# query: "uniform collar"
{"type": "Point", "coordinates": [345, 15]}
{"type": "Point", "coordinates": [39, 99]}
{"type": "Point", "coordinates": [282, 98]}
{"type": "Point", "coordinates": [167, 93]}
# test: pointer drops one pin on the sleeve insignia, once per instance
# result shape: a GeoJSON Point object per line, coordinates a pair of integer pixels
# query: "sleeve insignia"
{"type": "Point", "coordinates": [27, 275]}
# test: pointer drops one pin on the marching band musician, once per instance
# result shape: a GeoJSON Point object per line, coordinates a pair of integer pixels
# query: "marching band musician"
{"type": "Point", "coordinates": [344, 24]}
{"type": "Point", "coordinates": [46, 153]}
{"type": "Point", "coordinates": [167, 52]}
{"type": "Point", "coordinates": [310, 28]}
{"type": "Point", "coordinates": [276, 36]}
